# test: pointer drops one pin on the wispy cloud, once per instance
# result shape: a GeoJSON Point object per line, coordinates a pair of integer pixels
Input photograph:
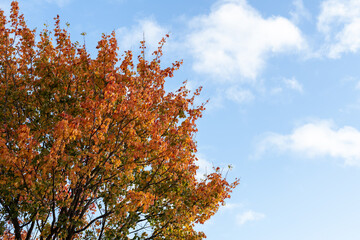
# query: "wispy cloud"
{"type": "Point", "coordinates": [249, 216]}
{"type": "Point", "coordinates": [234, 39]}
{"type": "Point", "coordinates": [318, 139]}
{"type": "Point", "coordinates": [60, 3]}
{"type": "Point", "coordinates": [292, 83]}
{"type": "Point", "coordinates": [129, 38]}
{"type": "Point", "coordinates": [239, 95]}
{"type": "Point", "coordinates": [339, 21]}
{"type": "Point", "coordinates": [205, 167]}
{"type": "Point", "coordinates": [231, 206]}
{"type": "Point", "coordinates": [299, 12]}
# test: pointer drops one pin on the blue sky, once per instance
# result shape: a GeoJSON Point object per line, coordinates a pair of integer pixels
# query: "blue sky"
{"type": "Point", "coordinates": [283, 80]}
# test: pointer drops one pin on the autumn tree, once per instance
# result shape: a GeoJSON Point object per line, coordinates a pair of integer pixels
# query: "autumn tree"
{"type": "Point", "coordinates": [95, 148]}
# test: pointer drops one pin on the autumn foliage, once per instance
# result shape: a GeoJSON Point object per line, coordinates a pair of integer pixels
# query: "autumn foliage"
{"type": "Point", "coordinates": [95, 148]}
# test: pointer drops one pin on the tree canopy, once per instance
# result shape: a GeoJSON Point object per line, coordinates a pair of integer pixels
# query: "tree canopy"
{"type": "Point", "coordinates": [95, 148]}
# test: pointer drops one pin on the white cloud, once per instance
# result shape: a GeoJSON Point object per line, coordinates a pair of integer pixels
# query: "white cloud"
{"type": "Point", "coordinates": [205, 167]}
{"type": "Point", "coordinates": [276, 90]}
{"type": "Point", "coordinates": [235, 39]}
{"type": "Point", "coordinates": [60, 3]}
{"type": "Point", "coordinates": [231, 206]}
{"type": "Point", "coordinates": [339, 21]}
{"type": "Point", "coordinates": [300, 12]}
{"type": "Point", "coordinates": [319, 139]}
{"type": "Point", "coordinates": [239, 95]}
{"type": "Point", "coordinates": [292, 83]}
{"type": "Point", "coordinates": [129, 38]}
{"type": "Point", "coordinates": [249, 216]}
